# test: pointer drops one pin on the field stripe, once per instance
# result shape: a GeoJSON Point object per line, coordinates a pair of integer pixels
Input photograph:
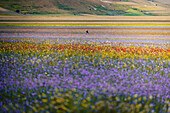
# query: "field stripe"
{"type": "Point", "coordinates": [120, 20]}
{"type": "Point", "coordinates": [80, 25]}
{"type": "Point", "coordinates": [85, 28]}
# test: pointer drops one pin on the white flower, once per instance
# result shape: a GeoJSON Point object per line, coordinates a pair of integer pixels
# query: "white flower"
{"type": "Point", "coordinates": [150, 96]}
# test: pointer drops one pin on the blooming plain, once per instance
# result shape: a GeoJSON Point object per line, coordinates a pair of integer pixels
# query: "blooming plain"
{"type": "Point", "coordinates": [83, 75]}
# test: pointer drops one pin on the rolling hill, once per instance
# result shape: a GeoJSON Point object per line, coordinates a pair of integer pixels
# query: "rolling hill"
{"type": "Point", "coordinates": [87, 7]}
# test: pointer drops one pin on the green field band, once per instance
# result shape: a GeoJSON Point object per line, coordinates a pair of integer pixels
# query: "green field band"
{"type": "Point", "coordinates": [84, 20]}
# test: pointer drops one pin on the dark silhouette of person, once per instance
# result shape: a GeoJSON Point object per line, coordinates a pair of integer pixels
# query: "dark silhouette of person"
{"type": "Point", "coordinates": [87, 32]}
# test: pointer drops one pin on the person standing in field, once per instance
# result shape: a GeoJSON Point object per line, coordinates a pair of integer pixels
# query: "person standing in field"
{"type": "Point", "coordinates": [87, 32]}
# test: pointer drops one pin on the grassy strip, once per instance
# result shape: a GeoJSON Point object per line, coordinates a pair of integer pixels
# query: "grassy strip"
{"type": "Point", "coordinates": [2, 14]}
{"type": "Point", "coordinates": [38, 24]}
{"type": "Point", "coordinates": [84, 20]}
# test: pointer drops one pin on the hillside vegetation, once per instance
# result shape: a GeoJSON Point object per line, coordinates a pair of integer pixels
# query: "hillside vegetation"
{"type": "Point", "coordinates": [88, 7]}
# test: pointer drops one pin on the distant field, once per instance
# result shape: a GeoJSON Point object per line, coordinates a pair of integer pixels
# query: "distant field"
{"type": "Point", "coordinates": [145, 29]}
{"type": "Point", "coordinates": [146, 32]}
{"type": "Point", "coordinates": [86, 17]}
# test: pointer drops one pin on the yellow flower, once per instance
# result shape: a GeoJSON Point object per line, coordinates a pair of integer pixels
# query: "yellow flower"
{"type": "Point", "coordinates": [52, 98]}
{"type": "Point", "coordinates": [88, 98]}
{"type": "Point", "coordinates": [44, 100]}
{"type": "Point", "coordinates": [30, 111]}
{"type": "Point", "coordinates": [110, 97]}
{"type": "Point", "coordinates": [53, 102]}
{"type": "Point", "coordinates": [34, 109]}
{"type": "Point", "coordinates": [93, 107]}
{"type": "Point", "coordinates": [75, 102]}
{"type": "Point", "coordinates": [99, 103]}
{"type": "Point", "coordinates": [46, 107]}
{"type": "Point", "coordinates": [85, 105]}
{"type": "Point", "coordinates": [43, 94]}
{"type": "Point", "coordinates": [60, 100]}
{"type": "Point", "coordinates": [135, 100]}
{"type": "Point", "coordinates": [84, 101]}
{"type": "Point", "coordinates": [92, 92]}
{"type": "Point", "coordinates": [17, 105]}
{"type": "Point", "coordinates": [167, 101]}
{"type": "Point", "coordinates": [24, 98]}
{"type": "Point", "coordinates": [74, 89]}
{"type": "Point", "coordinates": [59, 94]}
{"type": "Point", "coordinates": [70, 97]}
{"type": "Point", "coordinates": [136, 95]}
{"type": "Point", "coordinates": [66, 100]}
{"type": "Point", "coordinates": [56, 90]}
{"type": "Point", "coordinates": [139, 99]}
{"type": "Point", "coordinates": [61, 90]}
{"type": "Point", "coordinates": [103, 90]}
{"type": "Point", "coordinates": [38, 60]}
{"type": "Point", "coordinates": [63, 107]}
{"type": "Point", "coordinates": [100, 97]}
{"type": "Point", "coordinates": [55, 107]}
{"type": "Point", "coordinates": [144, 98]}
{"type": "Point", "coordinates": [138, 105]}
{"type": "Point", "coordinates": [4, 106]}
{"type": "Point", "coordinates": [76, 95]}
{"type": "Point", "coordinates": [129, 98]}
{"type": "Point", "coordinates": [117, 98]}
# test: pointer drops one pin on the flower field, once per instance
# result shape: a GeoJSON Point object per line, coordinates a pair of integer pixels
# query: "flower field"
{"type": "Point", "coordinates": [88, 76]}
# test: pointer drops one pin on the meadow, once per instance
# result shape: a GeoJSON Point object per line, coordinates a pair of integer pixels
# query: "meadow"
{"type": "Point", "coordinates": [43, 70]}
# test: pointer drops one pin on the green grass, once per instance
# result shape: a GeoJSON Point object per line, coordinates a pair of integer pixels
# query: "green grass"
{"type": "Point", "coordinates": [2, 14]}
{"type": "Point", "coordinates": [84, 20]}
{"type": "Point", "coordinates": [134, 12]}
{"type": "Point", "coordinates": [61, 6]}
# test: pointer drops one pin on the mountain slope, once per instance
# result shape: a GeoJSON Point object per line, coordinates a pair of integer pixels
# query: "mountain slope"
{"type": "Point", "coordinates": [164, 1]}
{"type": "Point", "coordinates": [92, 7]}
